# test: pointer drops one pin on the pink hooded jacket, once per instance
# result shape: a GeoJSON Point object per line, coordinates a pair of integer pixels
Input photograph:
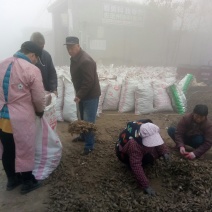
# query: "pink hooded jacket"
{"type": "Point", "coordinates": [25, 96]}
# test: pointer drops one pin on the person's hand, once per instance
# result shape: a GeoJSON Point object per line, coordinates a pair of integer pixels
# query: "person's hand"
{"type": "Point", "coordinates": [150, 191]}
{"type": "Point", "coordinates": [182, 150]}
{"type": "Point", "coordinates": [190, 155]}
{"type": "Point", "coordinates": [39, 114]}
{"type": "Point", "coordinates": [76, 99]}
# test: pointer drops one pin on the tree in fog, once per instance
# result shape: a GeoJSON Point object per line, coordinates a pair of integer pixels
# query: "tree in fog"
{"type": "Point", "coordinates": [189, 35]}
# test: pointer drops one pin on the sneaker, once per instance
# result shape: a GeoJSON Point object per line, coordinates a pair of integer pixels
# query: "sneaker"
{"type": "Point", "coordinates": [30, 186]}
{"type": "Point", "coordinates": [78, 139]}
{"type": "Point", "coordinates": [12, 183]}
{"type": "Point", "coordinates": [86, 152]}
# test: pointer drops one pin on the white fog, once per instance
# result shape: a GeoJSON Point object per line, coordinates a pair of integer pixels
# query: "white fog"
{"type": "Point", "coordinates": [167, 32]}
{"type": "Point", "coordinates": [116, 81]}
{"type": "Point", "coordinates": [19, 19]}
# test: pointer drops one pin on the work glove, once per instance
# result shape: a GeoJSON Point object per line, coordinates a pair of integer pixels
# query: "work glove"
{"type": "Point", "coordinates": [150, 191]}
{"type": "Point", "coordinates": [182, 150]}
{"type": "Point", "coordinates": [39, 114]}
{"type": "Point", "coordinates": [190, 156]}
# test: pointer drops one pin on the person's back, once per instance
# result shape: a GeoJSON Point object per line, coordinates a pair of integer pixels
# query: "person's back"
{"type": "Point", "coordinates": [22, 80]}
{"type": "Point", "coordinates": [45, 65]}
{"type": "Point", "coordinates": [22, 95]}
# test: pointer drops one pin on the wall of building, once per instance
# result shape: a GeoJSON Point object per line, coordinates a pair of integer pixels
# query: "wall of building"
{"type": "Point", "coordinates": [125, 34]}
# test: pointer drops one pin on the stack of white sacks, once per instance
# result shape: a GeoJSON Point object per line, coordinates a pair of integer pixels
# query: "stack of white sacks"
{"type": "Point", "coordinates": [124, 89]}
{"type": "Point", "coordinates": [139, 89]}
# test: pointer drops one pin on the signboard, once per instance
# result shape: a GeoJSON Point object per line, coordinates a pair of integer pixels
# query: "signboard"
{"type": "Point", "coordinates": [118, 14]}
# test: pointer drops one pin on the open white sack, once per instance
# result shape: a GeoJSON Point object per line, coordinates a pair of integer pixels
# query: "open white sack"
{"type": "Point", "coordinates": [48, 150]}
{"type": "Point", "coordinates": [69, 107]}
{"type": "Point", "coordinates": [50, 112]}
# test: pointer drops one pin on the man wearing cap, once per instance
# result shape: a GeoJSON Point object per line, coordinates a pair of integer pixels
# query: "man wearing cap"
{"type": "Point", "coordinates": [46, 65]}
{"type": "Point", "coordinates": [22, 96]}
{"type": "Point", "coordinates": [87, 88]}
{"type": "Point", "coordinates": [143, 150]}
{"type": "Point", "coordinates": [194, 130]}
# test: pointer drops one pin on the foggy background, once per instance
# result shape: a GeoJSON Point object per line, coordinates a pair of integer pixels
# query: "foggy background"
{"type": "Point", "coordinates": [172, 32]}
{"type": "Point", "coordinates": [18, 20]}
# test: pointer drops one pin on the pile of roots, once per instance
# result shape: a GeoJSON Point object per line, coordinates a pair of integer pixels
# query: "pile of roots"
{"type": "Point", "coordinates": [101, 183]}
{"type": "Point", "coordinates": [77, 127]}
{"type": "Point", "coordinates": [187, 185]}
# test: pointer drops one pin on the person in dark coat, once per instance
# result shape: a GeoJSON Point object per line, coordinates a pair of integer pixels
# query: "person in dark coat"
{"type": "Point", "coordinates": [46, 65]}
{"type": "Point", "coordinates": [86, 84]}
{"type": "Point", "coordinates": [194, 130]}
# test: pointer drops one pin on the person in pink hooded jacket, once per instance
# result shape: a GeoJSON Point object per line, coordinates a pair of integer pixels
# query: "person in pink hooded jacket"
{"type": "Point", "coordinates": [22, 97]}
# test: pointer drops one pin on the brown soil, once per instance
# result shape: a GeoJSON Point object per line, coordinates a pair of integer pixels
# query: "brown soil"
{"type": "Point", "coordinates": [99, 182]}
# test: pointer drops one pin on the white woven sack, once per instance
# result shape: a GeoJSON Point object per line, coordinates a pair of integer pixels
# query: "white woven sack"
{"type": "Point", "coordinates": [60, 98]}
{"type": "Point", "coordinates": [111, 100]}
{"type": "Point", "coordinates": [104, 87]}
{"type": "Point", "coordinates": [162, 101]}
{"type": "Point", "coordinates": [144, 98]}
{"type": "Point", "coordinates": [127, 99]}
{"type": "Point", "coordinates": [48, 149]}
{"type": "Point", "coordinates": [69, 108]}
{"type": "Point", "coordinates": [50, 112]}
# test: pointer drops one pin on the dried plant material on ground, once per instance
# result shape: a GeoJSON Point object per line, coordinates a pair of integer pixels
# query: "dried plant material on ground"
{"type": "Point", "coordinates": [101, 183]}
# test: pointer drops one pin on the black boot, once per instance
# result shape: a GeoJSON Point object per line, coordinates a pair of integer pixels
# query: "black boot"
{"type": "Point", "coordinates": [13, 182]}
{"type": "Point", "coordinates": [30, 185]}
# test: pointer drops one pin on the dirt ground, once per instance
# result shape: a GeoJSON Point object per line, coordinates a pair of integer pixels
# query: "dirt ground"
{"type": "Point", "coordinates": [98, 182]}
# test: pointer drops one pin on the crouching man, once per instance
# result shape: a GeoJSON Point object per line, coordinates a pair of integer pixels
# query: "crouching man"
{"type": "Point", "coordinates": [194, 130]}
{"type": "Point", "coordinates": [142, 150]}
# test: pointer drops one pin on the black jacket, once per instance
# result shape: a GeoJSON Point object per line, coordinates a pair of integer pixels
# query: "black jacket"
{"type": "Point", "coordinates": [48, 72]}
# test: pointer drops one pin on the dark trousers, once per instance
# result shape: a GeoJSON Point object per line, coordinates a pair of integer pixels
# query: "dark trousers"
{"type": "Point", "coordinates": [8, 157]}
{"type": "Point", "coordinates": [194, 141]}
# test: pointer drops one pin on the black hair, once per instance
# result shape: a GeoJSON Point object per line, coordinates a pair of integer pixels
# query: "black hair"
{"type": "Point", "coordinates": [25, 51]}
{"type": "Point", "coordinates": [31, 47]}
{"type": "Point", "coordinates": [201, 110]}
